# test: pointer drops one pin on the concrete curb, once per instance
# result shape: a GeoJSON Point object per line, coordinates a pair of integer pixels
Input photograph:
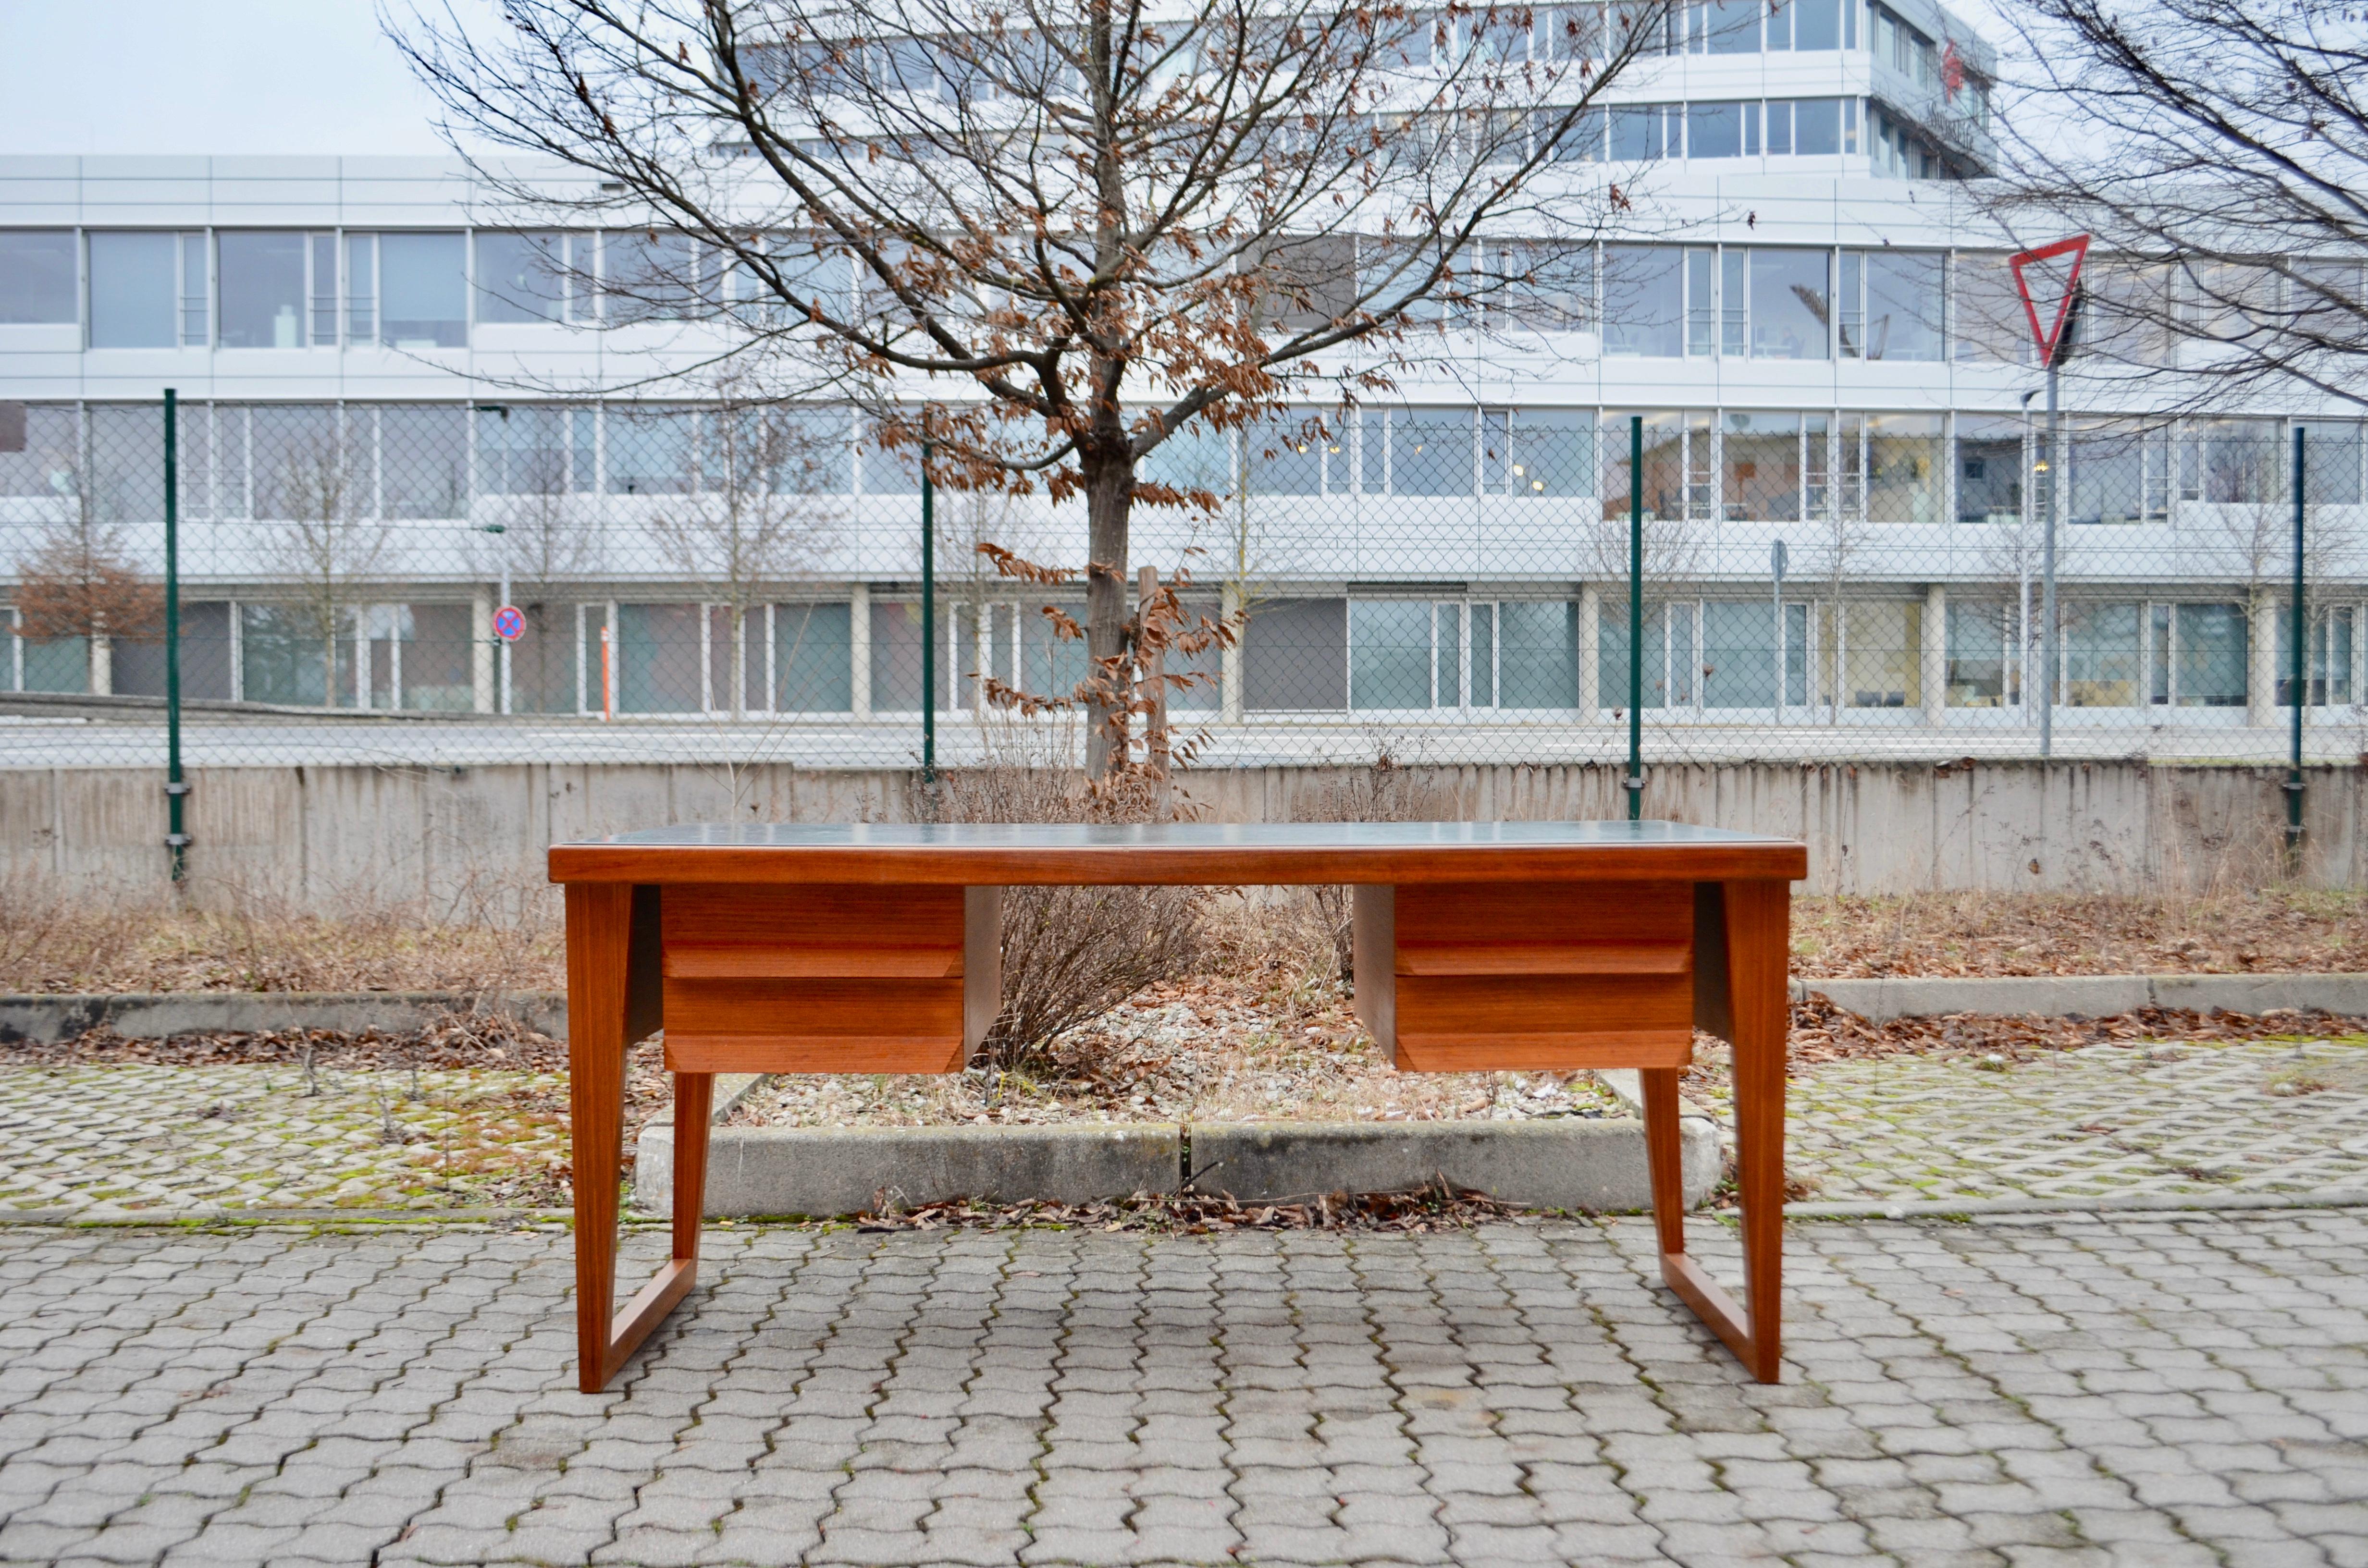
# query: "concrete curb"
{"type": "Point", "coordinates": [154, 1015]}
{"type": "Point", "coordinates": [825, 1171]}
{"type": "Point", "coordinates": [2091, 995]}
{"type": "Point", "coordinates": [1561, 1162]}
{"type": "Point", "coordinates": [1564, 1162]}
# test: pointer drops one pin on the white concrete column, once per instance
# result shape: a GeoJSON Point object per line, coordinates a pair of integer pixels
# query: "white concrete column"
{"type": "Point", "coordinates": [1936, 654]}
{"type": "Point", "coordinates": [859, 649]}
{"type": "Point", "coordinates": [1229, 658]}
{"type": "Point", "coordinates": [102, 665]}
{"type": "Point", "coordinates": [483, 668]}
{"type": "Point", "coordinates": [1590, 642]}
{"type": "Point", "coordinates": [2262, 682]}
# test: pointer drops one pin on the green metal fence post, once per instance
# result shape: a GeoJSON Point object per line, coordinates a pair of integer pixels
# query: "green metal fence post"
{"type": "Point", "coordinates": [177, 788]}
{"type": "Point", "coordinates": [1635, 782]}
{"type": "Point", "coordinates": [2301, 662]}
{"type": "Point", "coordinates": [928, 623]}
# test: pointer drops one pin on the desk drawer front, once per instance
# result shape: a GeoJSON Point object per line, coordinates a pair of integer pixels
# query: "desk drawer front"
{"type": "Point", "coordinates": [1539, 975]}
{"type": "Point", "coordinates": [814, 979]}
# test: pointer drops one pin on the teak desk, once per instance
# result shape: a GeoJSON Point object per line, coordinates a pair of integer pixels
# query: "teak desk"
{"type": "Point", "coordinates": [1479, 946]}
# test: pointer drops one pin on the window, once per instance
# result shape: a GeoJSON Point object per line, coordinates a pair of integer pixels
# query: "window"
{"type": "Point", "coordinates": [2117, 473]}
{"type": "Point", "coordinates": [1286, 455]}
{"type": "Point", "coordinates": [649, 452]}
{"type": "Point", "coordinates": [425, 459]}
{"type": "Point", "coordinates": [1715, 129]}
{"type": "Point", "coordinates": [2101, 655]}
{"type": "Point", "coordinates": [659, 658]}
{"type": "Point", "coordinates": [1431, 451]}
{"type": "Point", "coordinates": [1543, 288]}
{"type": "Point", "coordinates": [2331, 456]}
{"type": "Point", "coordinates": [1723, 26]}
{"type": "Point", "coordinates": [1390, 653]}
{"type": "Point", "coordinates": [134, 281]}
{"type": "Point", "coordinates": [1295, 656]}
{"type": "Point", "coordinates": [1762, 457]}
{"type": "Point", "coordinates": [1904, 474]}
{"type": "Point", "coordinates": [2329, 640]}
{"type": "Point", "coordinates": [1195, 458]}
{"type": "Point", "coordinates": [287, 655]}
{"type": "Point", "coordinates": [521, 276]}
{"type": "Point", "coordinates": [2223, 462]}
{"type": "Point", "coordinates": [262, 285]}
{"type": "Point", "coordinates": [1883, 655]}
{"type": "Point", "coordinates": [1817, 126]}
{"type": "Point", "coordinates": [1643, 300]}
{"type": "Point", "coordinates": [1636, 133]}
{"type": "Point", "coordinates": [1665, 469]}
{"type": "Point", "coordinates": [2199, 654]}
{"type": "Point", "coordinates": [654, 275]}
{"type": "Point", "coordinates": [1537, 452]}
{"type": "Point", "coordinates": [310, 467]}
{"type": "Point", "coordinates": [1537, 653]}
{"type": "Point", "coordinates": [1791, 295]}
{"type": "Point", "coordinates": [1779, 126]}
{"type": "Point", "coordinates": [423, 291]}
{"type": "Point", "coordinates": [37, 276]}
{"type": "Point", "coordinates": [526, 451]}
{"type": "Point", "coordinates": [1990, 465]}
{"type": "Point", "coordinates": [812, 653]}
{"type": "Point", "coordinates": [1817, 23]}
{"type": "Point", "coordinates": [361, 288]}
{"type": "Point", "coordinates": [1738, 655]}
{"type": "Point", "coordinates": [1981, 671]}
{"type": "Point", "coordinates": [1891, 304]}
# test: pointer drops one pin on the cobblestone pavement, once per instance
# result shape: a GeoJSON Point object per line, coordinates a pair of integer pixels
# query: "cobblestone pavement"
{"type": "Point", "coordinates": [112, 1141]}
{"type": "Point", "coordinates": [2195, 1117]}
{"type": "Point", "coordinates": [2150, 1390]}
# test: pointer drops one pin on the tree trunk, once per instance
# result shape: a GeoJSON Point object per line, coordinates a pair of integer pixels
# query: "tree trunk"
{"type": "Point", "coordinates": [1110, 498]}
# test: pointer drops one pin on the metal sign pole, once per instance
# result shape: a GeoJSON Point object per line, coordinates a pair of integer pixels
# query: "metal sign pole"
{"type": "Point", "coordinates": [2047, 566]}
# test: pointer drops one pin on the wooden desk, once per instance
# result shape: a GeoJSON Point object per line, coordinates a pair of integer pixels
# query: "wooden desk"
{"type": "Point", "coordinates": [872, 949]}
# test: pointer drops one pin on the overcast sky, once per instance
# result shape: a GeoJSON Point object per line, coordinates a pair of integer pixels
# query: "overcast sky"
{"type": "Point", "coordinates": [227, 76]}
{"type": "Point", "coordinates": [240, 76]}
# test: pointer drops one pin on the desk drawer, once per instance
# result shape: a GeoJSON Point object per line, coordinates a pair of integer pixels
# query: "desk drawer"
{"type": "Point", "coordinates": [1467, 977]}
{"type": "Point", "coordinates": [826, 978]}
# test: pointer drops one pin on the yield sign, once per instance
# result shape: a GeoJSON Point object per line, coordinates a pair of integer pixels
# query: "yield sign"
{"type": "Point", "coordinates": [2057, 283]}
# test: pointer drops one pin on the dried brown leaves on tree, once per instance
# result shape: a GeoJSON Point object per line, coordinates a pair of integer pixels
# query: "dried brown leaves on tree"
{"type": "Point", "coordinates": [1052, 237]}
{"type": "Point", "coordinates": [81, 582]}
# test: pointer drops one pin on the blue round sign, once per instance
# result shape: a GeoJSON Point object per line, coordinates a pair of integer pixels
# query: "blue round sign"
{"type": "Point", "coordinates": [509, 623]}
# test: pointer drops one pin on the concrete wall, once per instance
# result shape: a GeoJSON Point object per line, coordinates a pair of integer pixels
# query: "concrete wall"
{"type": "Point", "coordinates": [323, 836]}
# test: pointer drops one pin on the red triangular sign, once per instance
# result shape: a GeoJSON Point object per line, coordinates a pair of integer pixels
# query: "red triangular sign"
{"type": "Point", "coordinates": [2077, 247]}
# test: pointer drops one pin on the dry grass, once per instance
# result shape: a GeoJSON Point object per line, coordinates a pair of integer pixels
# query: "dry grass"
{"type": "Point", "coordinates": [1992, 933]}
{"type": "Point", "coordinates": [54, 939]}
{"type": "Point", "coordinates": [1284, 940]}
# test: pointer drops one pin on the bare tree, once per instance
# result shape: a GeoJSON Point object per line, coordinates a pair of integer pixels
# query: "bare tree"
{"type": "Point", "coordinates": [758, 517]}
{"type": "Point", "coordinates": [324, 531]}
{"type": "Point", "coordinates": [2218, 149]}
{"type": "Point", "coordinates": [79, 578]}
{"type": "Point", "coordinates": [1103, 225]}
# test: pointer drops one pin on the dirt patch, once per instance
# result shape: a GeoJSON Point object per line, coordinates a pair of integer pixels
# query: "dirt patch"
{"type": "Point", "coordinates": [1427, 1209]}
{"type": "Point", "coordinates": [1200, 1050]}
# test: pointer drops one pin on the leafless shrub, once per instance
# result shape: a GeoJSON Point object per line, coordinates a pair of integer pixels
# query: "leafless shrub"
{"type": "Point", "coordinates": [1070, 954]}
{"type": "Point", "coordinates": [1386, 792]}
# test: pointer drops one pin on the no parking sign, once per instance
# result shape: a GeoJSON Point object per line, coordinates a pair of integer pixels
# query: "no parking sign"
{"type": "Point", "coordinates": [509, 623]}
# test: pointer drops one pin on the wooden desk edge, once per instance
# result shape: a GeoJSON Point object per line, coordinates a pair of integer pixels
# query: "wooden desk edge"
{"type": "Point", "coordinates": [1750, 861]}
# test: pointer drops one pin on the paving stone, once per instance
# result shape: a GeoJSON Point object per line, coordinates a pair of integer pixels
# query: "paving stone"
{"type": "Point", "coordinates": [828, 1397]}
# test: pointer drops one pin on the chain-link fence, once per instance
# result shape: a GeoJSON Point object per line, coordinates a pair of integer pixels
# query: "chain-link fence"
{"type": "Point", "coordinates": [1442, 585]}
